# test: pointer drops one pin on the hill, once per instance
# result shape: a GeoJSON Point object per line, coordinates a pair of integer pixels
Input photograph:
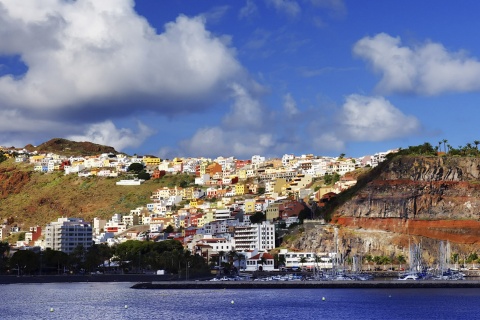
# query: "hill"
{"type": "Point", "coordinates": [30, 198]}
{"type": "Point", "coordinates": [68, 147]}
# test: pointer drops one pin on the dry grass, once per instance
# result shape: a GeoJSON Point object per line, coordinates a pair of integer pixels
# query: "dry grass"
{"type": "Point", "coordinates": [46, 197]}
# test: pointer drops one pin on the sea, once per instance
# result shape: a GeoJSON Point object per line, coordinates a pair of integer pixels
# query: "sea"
{"type": "Point", "coordinates": [119, 301]}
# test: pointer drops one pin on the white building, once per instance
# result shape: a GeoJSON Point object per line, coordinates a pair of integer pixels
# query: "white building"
{"type": "Point", "coordinates": [306, 260]}
{"type": "Point", "coordinates": [68, 233]}
{"type": "Point", "coordinates": [255, 236]}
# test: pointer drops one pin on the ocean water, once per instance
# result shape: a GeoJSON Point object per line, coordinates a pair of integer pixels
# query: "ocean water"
{"type": "Point", "coordinates": [119, 301]}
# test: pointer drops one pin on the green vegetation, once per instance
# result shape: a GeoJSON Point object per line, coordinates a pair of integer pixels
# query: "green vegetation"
{"type": "Point", "coordinates": [426, 149]}
{"type": "Point", "coordinates": [3, 157]}
{"type": "Point", "coordinates": [132, 257]}
{"type": "Point", "coordinates": [257, 217]}
{"type": "Point", "coordinates": [330, 179]}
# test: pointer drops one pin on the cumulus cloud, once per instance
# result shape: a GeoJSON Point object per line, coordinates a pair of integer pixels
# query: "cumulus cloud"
{"type": "Point", "coordinates": [87, 61]}
{"type": "Point", "coordinates": [245, 130]}
{"type": "Point", "coordinates": [289, 7]}
{"type": "Point", "coordinates": [81, 53]}
{"type": "Point", "coordinates": [106, 133]}
{"type": "Point", "coordinates": [427, 69]}
{"type": "Point", "coordinates": [365, 118]}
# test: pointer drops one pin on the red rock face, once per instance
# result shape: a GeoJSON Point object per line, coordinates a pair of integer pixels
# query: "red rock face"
{"type": "Point", "coordinates": [12, 181]}
{"type": "Point", "coordinates": [429, 198]}
{"type": "Point", "coordinates": [457, 231]}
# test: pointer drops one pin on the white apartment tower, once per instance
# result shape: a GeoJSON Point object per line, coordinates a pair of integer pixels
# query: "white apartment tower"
{"type": "Point", "coordinates": [255, 236]}
{"type": "Point", "coordinates": [68, 233]}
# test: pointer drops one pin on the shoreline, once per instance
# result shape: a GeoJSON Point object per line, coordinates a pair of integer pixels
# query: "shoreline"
{"type": "Point", "coordinates": [369, 284]}
{"type": "Point", "coordinates": [153, 281]}
{"type": "Point", "coordinates": [11, 279]}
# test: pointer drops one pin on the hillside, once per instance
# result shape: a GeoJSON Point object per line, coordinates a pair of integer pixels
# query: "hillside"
{"type": "Point", "coordinates": [407, 199]}
{"type": "Point", "coordinates": [68, 147]}
{"type": "Point", "coordinates": [32, 198]}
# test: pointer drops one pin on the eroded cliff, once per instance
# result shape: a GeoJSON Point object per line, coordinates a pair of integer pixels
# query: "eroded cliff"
{"type": "Point", "coordinates": [408, 199]}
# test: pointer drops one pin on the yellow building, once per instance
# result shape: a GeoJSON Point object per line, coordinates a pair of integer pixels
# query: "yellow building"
{"type": "Point", "coordinates": [188, 193]}
{"type": "Point", "coordinates": [239, 189]}
{"type": "Point", "coordinates": [249, 206]}
{"type": "Point", "coordinates": [37, 158]}
{"type": "Point", "coordinates": [151, 161]}
{"type": "Point", "coordinates": [242, 174]}
{"type": "Point", "coordinates": [209, 216]}
{"type": "Point", "coordinates": [193, 203]}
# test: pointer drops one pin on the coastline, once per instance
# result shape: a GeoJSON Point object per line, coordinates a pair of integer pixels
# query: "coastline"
{"type": "Point", "coordinates": [153, 281]}
{"type": "Point", "coordinates": [370, 284]}
{"type": "Point", "coordinates": [10, 279]}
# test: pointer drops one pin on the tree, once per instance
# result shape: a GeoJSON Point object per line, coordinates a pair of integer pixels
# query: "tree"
{"type": "Point", "coordinates": [302, 261]}
{"type": "Point", "coordinates": [25, 261]}
{"type": "Point", "coordinates": [4, 251]}
{"type": "Point", "coordinates": [77, 258]}
{"type": "Point", "coordinates": [262, 261]}
{"type": "Point", "coordinates": [143, 175]}
{"type": "Point", "coordinates": [257, 217]}
{"type": "Point", "coordinates": [221, 254]}
{"type": "Point", "coordinates": [135, 167]}
{"type": "Point", "coordinates": [445, 145]}
{"type": "Point", "coordinates": [3, 157]}
{"type": "Point", "coordinates": [401, 260]}
{"type": "Point", "coordinates": [54, 261]}
{"type": "Point", "coordinates": [169, 229]}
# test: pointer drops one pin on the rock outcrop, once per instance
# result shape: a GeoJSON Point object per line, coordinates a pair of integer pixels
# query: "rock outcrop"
{"type": "Point", "coordinates": [409, 199]}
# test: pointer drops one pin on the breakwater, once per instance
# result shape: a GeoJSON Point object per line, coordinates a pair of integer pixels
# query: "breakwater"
{"type": "Point", "coordinates": [306, 284]}
{"type": "Point", "coordinates": [9, 279]}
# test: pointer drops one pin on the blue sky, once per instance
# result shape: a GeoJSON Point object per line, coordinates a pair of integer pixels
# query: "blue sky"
{"type": "Point", "coordinates": [240, 78]}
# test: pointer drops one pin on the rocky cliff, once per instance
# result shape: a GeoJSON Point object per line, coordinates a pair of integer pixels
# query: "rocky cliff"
{"type": "Point", "coordinates": [407, 199]}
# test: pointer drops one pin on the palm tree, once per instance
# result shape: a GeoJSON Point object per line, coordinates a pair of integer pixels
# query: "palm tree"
{"type": "Point", "coordinates": [476, 143]}
{"type": "Point", "coordinates": [445, 145]}
{"type": "Point", "coordinates": [221, 254]}
{"type": "Point", "coordinates": [302, 261]}
{"type": "Point", "coordinates": [232, 255]}
{"type": "Point", "coordinates": [4, 251]}
{"type": "Point", "coordinates": [401, 260]}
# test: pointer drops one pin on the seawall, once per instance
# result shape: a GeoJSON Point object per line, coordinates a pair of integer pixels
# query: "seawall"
{"type": "Point", "coordinates": [373, 284]}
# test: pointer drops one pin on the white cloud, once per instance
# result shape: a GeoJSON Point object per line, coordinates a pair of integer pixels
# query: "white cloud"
{"type": "Point", "coordinates": [81, 53]}
{"type": "Point", "coordinates": [90, 60]}
{"type": "Point", "coordinates": [106, 133]}
{"type": "Point", "coordinates": [426, 69]}
{"type": "Point", "coordinates": [289, 105]}
{"type": "Point", "coordinates": [249, 10]}
{"type": "Point", "coordinates": [215, 141]}
{"type": "Point", "coordinates": [246, 111]}
{"type": "Point", "coordinates": [374, 119]}
{"type": "Point", "coordinates": [289, 7]}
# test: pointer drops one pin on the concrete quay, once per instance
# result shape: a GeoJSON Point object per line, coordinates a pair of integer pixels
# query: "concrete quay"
{"type": "Point", "coordinates": [372, 284]}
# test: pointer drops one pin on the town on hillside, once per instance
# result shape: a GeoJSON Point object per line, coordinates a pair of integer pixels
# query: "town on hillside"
{"type": "Point", "coordinates": [241, 206]}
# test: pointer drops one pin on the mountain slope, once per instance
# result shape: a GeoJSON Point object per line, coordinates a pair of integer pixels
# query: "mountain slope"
{"type": "Point", "coordinates": [32, 198]}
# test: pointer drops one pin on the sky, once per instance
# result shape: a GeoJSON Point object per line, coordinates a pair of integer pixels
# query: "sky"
{"type": "Point", "coordinates": [208, 78]}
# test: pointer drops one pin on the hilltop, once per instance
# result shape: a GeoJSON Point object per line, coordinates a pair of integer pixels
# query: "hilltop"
{"type": "Point", "coordinates": [68, 147]}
